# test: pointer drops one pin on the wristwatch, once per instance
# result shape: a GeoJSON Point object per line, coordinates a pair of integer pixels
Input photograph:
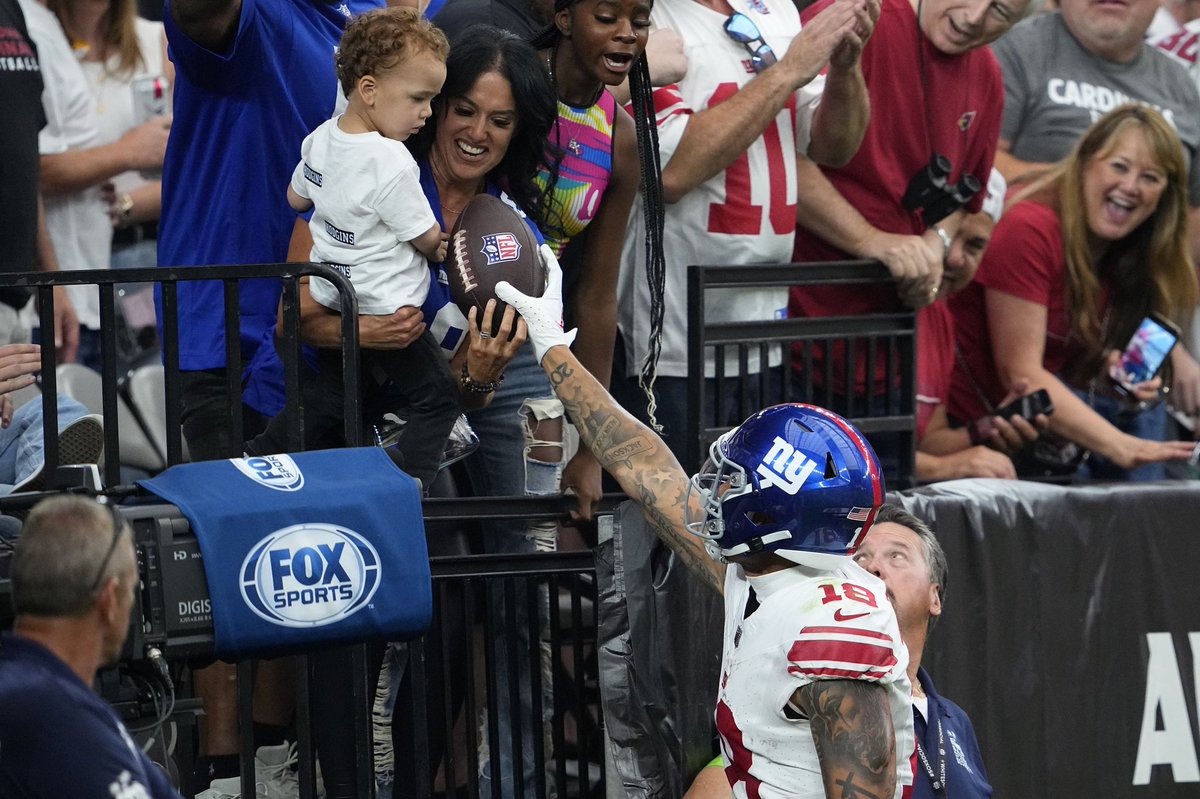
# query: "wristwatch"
{"type": "Point", "coordinates": [946, 239]}
{"type": "Point", "coordinates": [124, 208]}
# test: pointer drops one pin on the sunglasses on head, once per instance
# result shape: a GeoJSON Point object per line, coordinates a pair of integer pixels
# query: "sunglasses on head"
{"type": "Point", "coordinates": [742, 30]}
{"type": "Point", "coordinates": [118, 528]}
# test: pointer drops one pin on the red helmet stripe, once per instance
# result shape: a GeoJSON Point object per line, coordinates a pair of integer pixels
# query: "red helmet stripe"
{"type": "Point", "coordinates": [872, 469]}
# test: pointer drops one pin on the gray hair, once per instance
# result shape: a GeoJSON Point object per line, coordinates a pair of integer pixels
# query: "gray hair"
{"type": "Point", "coordinates": [935, 557]}
{"type": "Point", "coordinates": [57, 564]}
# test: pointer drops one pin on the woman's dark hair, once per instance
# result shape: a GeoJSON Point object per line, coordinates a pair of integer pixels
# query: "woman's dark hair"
{"type": "Point", "coordinates": [641, 98]}
{"type": "Point", "coordinates": [481, 49]}
{"type": "Point", "coordinates": [641, 108]}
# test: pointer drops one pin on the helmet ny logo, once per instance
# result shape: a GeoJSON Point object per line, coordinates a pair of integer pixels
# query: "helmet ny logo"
{"type": "Point", "coordinates": [784, 467]}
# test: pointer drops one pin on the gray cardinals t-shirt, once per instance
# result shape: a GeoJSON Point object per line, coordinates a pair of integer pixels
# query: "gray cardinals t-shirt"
{"type": "Point", "coordinates": [1054, 90]}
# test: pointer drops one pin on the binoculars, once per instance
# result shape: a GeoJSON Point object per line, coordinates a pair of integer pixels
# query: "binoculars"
{"type": "Point", "coordinates": [937, 199]}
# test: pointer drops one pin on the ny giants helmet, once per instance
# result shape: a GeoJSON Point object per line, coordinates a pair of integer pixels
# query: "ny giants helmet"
{"type": "Point", "coordinates": [791, 479]}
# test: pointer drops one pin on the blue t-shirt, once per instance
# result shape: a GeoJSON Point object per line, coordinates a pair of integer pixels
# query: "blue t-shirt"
{"type": "Point", "coordinates": [965, 774]}
{"type": "Point", "coordinates": [58, 739]}
{"type": "Point", "coordinates": [240, 117]}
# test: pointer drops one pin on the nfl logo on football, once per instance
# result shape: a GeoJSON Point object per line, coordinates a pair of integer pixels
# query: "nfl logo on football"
{"type": "Point", "coordinates": [501, 247]}
{"type": "Point", "coordinates": [310, 575]}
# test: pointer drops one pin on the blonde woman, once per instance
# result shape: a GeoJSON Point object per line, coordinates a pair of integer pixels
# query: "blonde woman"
{"type": "Point", "coordinates": [123, 55]}
{"type": "Point", "coordinates": [1081, 257]}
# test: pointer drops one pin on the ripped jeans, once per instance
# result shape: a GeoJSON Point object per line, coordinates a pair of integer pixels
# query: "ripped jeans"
{"type": "Point", "coordinates": [503, 465]}
{"type": "Point", "coordinates": [516, 459]}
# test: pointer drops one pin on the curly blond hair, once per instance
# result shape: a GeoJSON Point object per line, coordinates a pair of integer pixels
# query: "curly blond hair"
{"type": "Point", "coordinates": [380, 40]}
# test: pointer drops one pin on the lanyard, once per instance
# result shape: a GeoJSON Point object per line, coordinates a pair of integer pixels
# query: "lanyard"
{"type": "Point", "coordinates": [937, 780]}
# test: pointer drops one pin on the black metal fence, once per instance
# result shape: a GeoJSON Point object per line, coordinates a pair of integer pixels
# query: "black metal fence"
{"type": "Point", "coordinates": [817, 359]}
{"type": "Point", "coordinates": [511, 654]}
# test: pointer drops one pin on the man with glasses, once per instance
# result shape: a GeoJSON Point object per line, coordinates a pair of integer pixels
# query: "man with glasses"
{"type": "Point", "coordinates": [727, 139]}
{"type": "Point", "coordinates": [73, 580]}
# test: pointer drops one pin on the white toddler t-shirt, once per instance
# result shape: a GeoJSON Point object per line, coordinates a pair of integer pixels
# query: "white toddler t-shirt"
{"type": "Point", "coordinates": [367, 207]}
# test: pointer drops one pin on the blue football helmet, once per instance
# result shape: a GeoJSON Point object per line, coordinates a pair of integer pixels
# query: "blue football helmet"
{"type": "Point", "coordinates": [791, 479]}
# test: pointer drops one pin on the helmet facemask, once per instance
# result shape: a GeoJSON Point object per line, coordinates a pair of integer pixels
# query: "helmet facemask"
{"type": "Point", "coordinates": [718, 481]}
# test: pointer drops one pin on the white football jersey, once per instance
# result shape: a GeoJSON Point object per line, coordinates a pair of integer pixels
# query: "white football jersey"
{"type": "Point", "coordinates": [745, 214]}
{"type": "Point", "coordinates": [811, 624]}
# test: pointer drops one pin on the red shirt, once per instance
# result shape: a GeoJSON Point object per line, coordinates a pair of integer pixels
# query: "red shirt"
{"type": "Point", "coordinates": [935, 361]}
{"type": "Point", "coordinates": [920, 104]}
{"type": "Point", "coordinates": [1026, 259]}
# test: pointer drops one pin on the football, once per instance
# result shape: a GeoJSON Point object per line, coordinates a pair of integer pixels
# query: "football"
{"type": "Point", "coordinates": [491, 242]}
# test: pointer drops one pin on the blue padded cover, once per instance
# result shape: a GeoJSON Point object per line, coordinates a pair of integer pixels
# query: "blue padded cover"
{"type": "Point", "coordinates": [308, 549]}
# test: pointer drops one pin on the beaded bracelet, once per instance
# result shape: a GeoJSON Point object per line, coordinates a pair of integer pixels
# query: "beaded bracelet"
{"type": "Point", "coordinates": [477, 387]}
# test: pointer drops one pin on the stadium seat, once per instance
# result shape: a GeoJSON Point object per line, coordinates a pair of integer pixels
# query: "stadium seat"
{"type": "Point", "coordinates": [147, 392]}
{"type": "Point", "coordinates": [86, 386]}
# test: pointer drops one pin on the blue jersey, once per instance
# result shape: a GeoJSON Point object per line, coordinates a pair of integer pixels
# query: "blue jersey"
{"type": "Point", "coordinates": [965, 775]}
{"type": "Point", "coordinates": [240, 117]}
{"type": "Point", "coordinates": [58, 739]}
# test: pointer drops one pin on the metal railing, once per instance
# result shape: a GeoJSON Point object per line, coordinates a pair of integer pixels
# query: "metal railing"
{"type": "Point", "coordinates": [820, 358]}
{"type": "Point", "coordinates": [106, 282]}
{"type": "Point", "coordinates": [467, 588]}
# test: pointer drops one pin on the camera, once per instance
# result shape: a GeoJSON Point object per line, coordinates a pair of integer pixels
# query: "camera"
{"type": "Point", "coordinates": [937, 199]}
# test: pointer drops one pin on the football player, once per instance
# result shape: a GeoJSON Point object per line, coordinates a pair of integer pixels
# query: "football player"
{"type": "Point", "coordinates": [813, 700]}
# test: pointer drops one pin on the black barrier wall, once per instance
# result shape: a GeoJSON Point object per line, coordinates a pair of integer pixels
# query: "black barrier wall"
{"type": "Point", "coordinates": [660, 657]}
{"type": "Point", "coordinates": [1070, 633]}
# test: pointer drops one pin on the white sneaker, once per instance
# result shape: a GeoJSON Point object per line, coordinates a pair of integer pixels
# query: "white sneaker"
{"type": "Point", "coordinates": [275, 772]}
{"type": "Point", "coordinates": [227, 788]}
{"type": "Point", "coordinates": [274, 776]}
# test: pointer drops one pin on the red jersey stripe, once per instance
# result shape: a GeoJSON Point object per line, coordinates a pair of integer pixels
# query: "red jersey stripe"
{"type": "Point", "coordinates": [838, 674]}
{"type": "Point", "coordinates": [845, 631]}
{"type": "Point", "coordinates": [811, 657]}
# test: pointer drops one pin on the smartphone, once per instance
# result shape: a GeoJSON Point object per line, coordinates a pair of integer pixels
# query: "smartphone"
{"type": "Point", "coordinates": [151, 99]}
{"type": "Point", "coordinates": [1028, 406]}
{"type": "Point", "coordinates": [1146, 353]}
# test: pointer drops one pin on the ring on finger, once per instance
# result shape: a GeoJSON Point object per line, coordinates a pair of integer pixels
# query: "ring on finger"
{"type": "Point", "coordinates": [484, 334]}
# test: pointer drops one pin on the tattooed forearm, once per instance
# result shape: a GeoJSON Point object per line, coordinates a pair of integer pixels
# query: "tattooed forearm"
{"type": "Point", "coordinates": [560, 374]}
{"type": "Point", "coordinates": [852, 728]}
{"type": "Point", "coordinates": [685, 545]}
{"type": "Point", "coordinates": [634, 455]}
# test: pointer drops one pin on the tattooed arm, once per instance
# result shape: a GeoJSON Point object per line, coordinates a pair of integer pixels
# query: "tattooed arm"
{"type": "Point", "coordinates": [635, 456]}
{"type": "Point", "coordinates": [852, 727]}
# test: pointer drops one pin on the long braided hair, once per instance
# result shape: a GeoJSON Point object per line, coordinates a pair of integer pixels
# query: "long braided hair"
{"type": "Point", "coordinates": [641, 108]}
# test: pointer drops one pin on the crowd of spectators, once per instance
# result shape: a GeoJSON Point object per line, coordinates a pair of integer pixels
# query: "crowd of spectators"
{"type": "Point", "coordinates": [638, 138]}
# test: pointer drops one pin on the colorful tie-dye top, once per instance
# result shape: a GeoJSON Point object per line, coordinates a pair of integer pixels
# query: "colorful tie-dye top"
{"type": "Point", "coordinates": [585, 137]}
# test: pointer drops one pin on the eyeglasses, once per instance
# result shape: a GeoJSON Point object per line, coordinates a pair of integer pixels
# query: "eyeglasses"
{"type": "Point", "coordinates": [118, 526]}
{"type": "Point", "coordinates": [742, 30]}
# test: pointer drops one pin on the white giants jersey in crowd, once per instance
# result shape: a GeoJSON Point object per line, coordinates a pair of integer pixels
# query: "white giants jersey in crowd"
{"type": "Point", "coordinates": [1183, 44]}
{"type": "Point", "coordinates": [744, 215]}
{"type": "Point", "coordinates": [812, 624]}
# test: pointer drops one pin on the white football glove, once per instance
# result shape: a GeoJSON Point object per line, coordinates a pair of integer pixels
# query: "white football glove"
{"type": "Point", "coordinates": [543, 315]}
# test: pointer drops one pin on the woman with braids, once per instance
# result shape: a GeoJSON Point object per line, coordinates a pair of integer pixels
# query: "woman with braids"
{"type": "Point", "coordinates": [1082, 256]}
{"type": "Point", "coordinates": [590, 46]}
